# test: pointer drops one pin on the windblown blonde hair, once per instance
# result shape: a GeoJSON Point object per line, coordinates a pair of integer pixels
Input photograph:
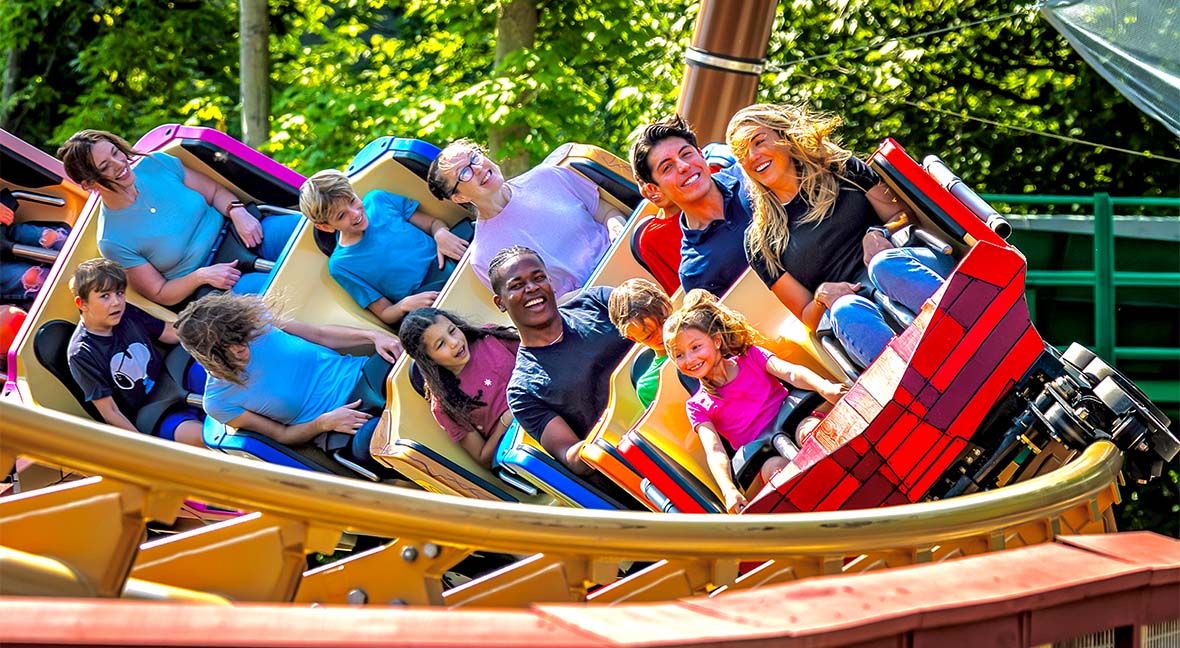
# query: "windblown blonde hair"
{"type": "Point", "coordinates": [321, 191]}
{"type": "Point", "coordinates": [702, 311]}
{"type": "Point", "coordinates": [817, 156]}
{"type": "Point", "coordinates": [210, 325]}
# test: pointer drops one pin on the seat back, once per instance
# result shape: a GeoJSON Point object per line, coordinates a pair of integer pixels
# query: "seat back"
{"type": "Point", "coordinates": [51, 344]}
{"type": "Point", "coordinates": [521, 455]}
{"type": "Point", "coordinates": [640, 225]}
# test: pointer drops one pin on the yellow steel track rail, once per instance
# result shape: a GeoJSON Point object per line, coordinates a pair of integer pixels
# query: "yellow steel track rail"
{"type": "Point", "coordinates": [570, 550]}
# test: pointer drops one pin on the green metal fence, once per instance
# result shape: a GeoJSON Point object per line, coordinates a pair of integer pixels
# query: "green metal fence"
{"type": "Point", "coordinates": [1104, 277]}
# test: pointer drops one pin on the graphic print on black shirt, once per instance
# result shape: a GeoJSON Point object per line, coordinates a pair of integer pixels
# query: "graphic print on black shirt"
{"type": "Point", "coordinates": [123, 365]}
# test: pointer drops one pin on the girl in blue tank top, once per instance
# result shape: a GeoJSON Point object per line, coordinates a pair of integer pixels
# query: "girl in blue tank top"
{"type": "Point", "coordinates": [286, 379]}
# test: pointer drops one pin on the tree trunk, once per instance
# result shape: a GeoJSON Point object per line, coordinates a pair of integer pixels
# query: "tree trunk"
{"type": "Point", "coordinates": [11, 74]}
{"type": "Point", "coordinates": [516, 29]}
{"type": "Point", "coordinates": [254, 64]}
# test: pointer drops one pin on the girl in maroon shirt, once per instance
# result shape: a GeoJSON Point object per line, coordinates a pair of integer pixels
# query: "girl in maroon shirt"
{"type": "Point", "coordinates": [466, 369]}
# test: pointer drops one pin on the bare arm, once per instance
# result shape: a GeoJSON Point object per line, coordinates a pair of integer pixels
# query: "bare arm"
{"type": "Point", "coordinates": [168, 336]}
{"type": "Point", "coordinates": [392, 313]}
{"type": "Point", "coordinates": [342, 419]}
{"type": "Point", "coordinates": [111, 414]}
{"type": "Point", "coordinates": [147, 281]}
{"type": "Point", "coordinates": [483, 450]}
{"type": "Point", "coordinates": [804, 378]}
{"type": "Point", "coordinates": [719, 467]}
{"type": "Point", "coordinates": [610, 216]}
{"type": "Point", "coordinates": [222, 200]}
{"type": "Point", "coordinates": [808, 307]}
{"type": "Point", "coordinates": [888, 208]}
{"type": "Point", "coordinates": [345, 337]}
{"type": "Point", "coordinates": [559, 440]}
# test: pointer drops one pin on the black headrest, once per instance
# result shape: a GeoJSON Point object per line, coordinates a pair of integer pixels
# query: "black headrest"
{"type": "Point", "coordinates": [325, 241]}
{"type": "Point", "coordinates": [639, 365]}
{"type": "Point", "coordinates": [416, 379]}
{"type": "Point", "coordinates": [244, 175]}
{"type": "Point", "coordinates": [8, 200]}
{"type": "Point", "coordinates": [51, 346]}
{"type": "Point", "coordinates": [19, 170]}
{"type": "Point", "coordinates": [617, 186]}
{"type": "Point", "coordinates": [635, 234]}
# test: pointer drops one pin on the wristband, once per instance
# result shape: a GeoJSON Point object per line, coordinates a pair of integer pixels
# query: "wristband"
{"type": "Point", "coordinates": [231, 205]}
{"type": "Point", "coordinates": [884, 231]}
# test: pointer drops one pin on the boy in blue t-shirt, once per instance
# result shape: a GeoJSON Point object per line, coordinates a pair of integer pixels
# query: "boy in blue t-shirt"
{"type": "Point", "coordinates": [113, 359]}
{"type": "Point", "coordinates": [390, 257]}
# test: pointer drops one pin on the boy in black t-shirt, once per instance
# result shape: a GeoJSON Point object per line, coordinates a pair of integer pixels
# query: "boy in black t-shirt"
{"type": "Point", "coordinates": [112, 356]}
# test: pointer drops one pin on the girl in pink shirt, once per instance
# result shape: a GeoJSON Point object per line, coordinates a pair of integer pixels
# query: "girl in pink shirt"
{"type": "Point", "coordinates": [740, 397]}
{"type": "Point", "coordinates": [466, 369]}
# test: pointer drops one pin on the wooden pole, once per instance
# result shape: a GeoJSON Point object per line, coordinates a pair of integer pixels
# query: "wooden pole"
{"type": "Point", "coordinates": [724, 63]}
{"type": "Point", "coordinates": [254, 71]}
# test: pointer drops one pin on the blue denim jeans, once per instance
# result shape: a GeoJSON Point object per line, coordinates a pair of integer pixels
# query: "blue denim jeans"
{"type": "Point", "coordinates": [21, 280]}
{"type": "Point", "coordinates": [908, 275]}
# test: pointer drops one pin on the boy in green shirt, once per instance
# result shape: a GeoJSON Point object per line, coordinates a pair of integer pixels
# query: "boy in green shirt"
{"type": "Point", "coordinates": [638, 309]}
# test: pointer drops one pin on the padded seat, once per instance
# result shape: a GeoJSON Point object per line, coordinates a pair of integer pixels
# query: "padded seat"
{"type": "Point", "coordinates": [521, 455]}
{"type": "Point", "coordinates": [253, 445]}
{"type": "Point", "coordinates": [51, 347]}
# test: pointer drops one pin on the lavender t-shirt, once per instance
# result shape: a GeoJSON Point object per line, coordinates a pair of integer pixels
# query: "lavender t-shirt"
{"type": "Point", "coordinates": [552, 212]}
{"type": "Point", "coordinates": [485, 377]}
{"type": "Point", "coordinates": [742, 408]}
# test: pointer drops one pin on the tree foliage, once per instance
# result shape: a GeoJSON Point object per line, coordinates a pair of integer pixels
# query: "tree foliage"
{"type": "Point", "coordinates": [347, 72]}
{"type": "Point", "coordinates": [947, 93]}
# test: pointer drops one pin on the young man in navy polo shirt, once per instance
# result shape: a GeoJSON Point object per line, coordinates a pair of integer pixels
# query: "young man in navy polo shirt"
{"type": "Point", "coordinates": [716, 207]}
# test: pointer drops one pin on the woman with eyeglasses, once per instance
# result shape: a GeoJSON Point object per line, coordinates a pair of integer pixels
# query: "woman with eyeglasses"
{"type": "Point", "coordinates": [550, 209]}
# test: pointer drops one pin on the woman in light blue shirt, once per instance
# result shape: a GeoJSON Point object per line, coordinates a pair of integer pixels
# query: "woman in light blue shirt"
{"type": "Point", "coordinates": [161, 221]}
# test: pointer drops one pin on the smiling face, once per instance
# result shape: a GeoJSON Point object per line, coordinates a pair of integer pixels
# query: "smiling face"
{"type": "Point", "coordinates": [680, 171]}
{"type": "Point", "coordinates": [485, 179]}
{"type": "Point", "coordinates": [446, 345]}
{"type": "Point", "coordinates": [112, 165]}
{"type": "Point", "coordinates": [346, 216]}
{"type": "Point", "coordinates": [767, 159]}
{"type": "Point", "coordinates": [102, 310]}
{"type": "Point", "coordinates": [695, 353]}
{"type": "Point", "coordinates": [524, 292]}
